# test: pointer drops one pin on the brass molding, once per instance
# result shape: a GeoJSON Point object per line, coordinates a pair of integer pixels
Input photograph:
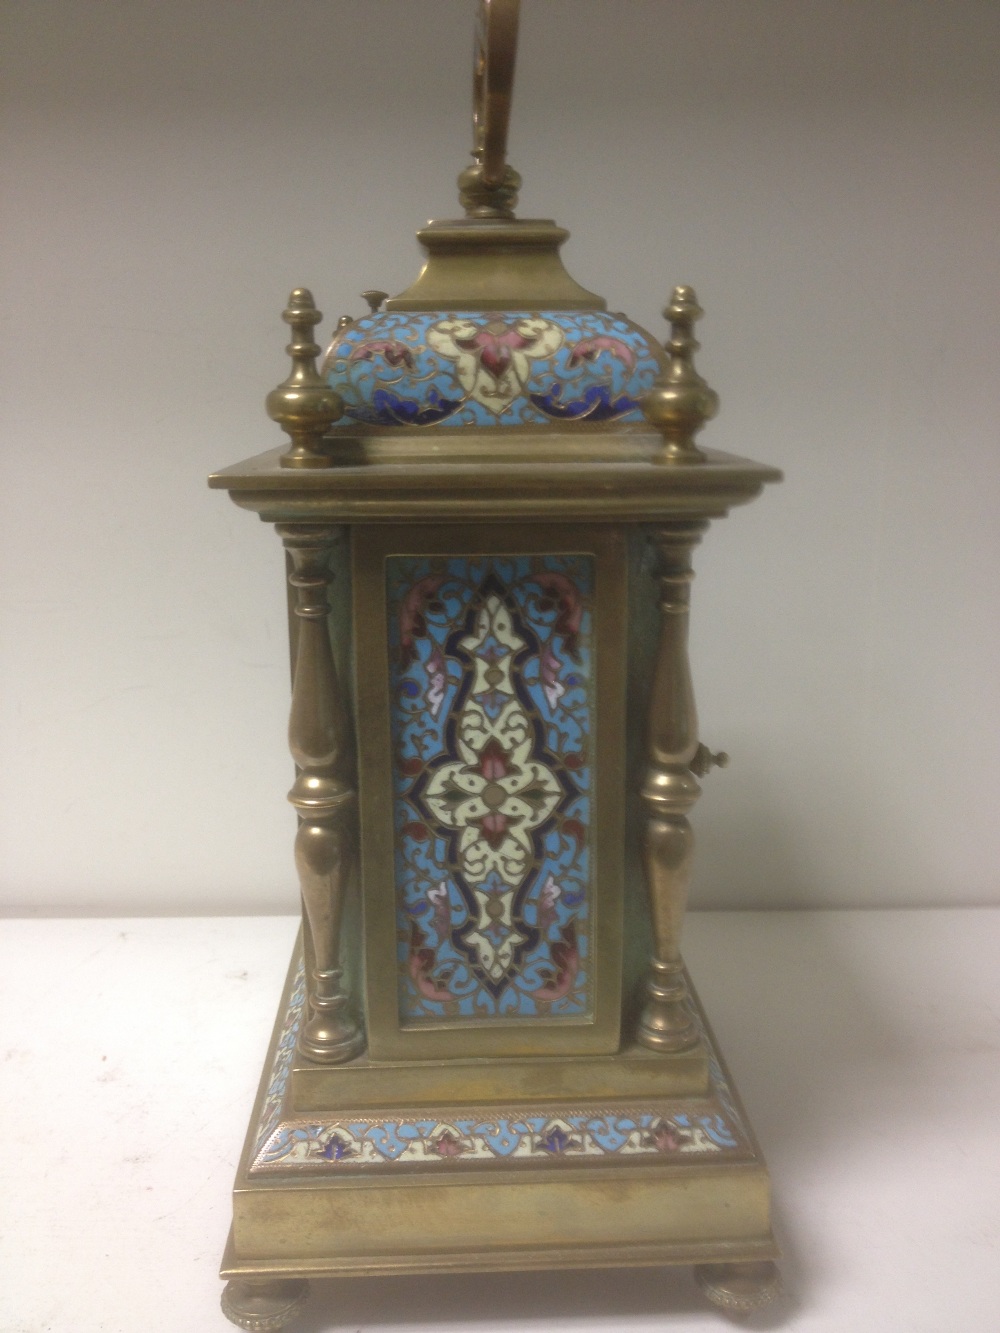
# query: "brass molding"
{"type": "Point", "coordinates": [464, 482]}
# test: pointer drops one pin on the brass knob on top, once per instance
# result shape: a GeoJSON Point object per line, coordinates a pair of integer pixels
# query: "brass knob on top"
{"type": "Point", "coordinates": [680, 402]}
{"type": "Point", "coordinates": [374, 299]}
{"type": "Point", "coordinates": [303, 405]}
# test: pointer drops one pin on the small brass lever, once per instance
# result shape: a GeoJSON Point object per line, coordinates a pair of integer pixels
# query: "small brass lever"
{"type": "Point", "coordinates": [704, 760]}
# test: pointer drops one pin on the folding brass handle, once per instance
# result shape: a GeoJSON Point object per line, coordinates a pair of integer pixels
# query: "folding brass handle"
{"type": "Point", "coordinates": [494, 55]}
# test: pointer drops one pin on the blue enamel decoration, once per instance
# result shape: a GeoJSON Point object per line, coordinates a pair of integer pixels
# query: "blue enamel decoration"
{"type": "Point", "coordinates": [491, 682]}
{"type": "Point", "coordinates": [412, 368]}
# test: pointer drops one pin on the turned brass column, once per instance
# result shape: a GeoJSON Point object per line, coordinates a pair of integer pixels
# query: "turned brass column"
{"type": "Point", "coordinates": [669, 790]}
{"type": "Point", "coordinates": [324, 794]}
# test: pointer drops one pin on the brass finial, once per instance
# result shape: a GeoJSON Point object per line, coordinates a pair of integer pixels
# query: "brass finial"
{"type": "Point", "coordinates": [374, 299]}
{"type": "Point", "coordinates": [303, 405]}
{"type": "Point", "coordinates": [680, 402]}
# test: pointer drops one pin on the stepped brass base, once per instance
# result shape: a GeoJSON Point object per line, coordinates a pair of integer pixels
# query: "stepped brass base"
{"type": "Point", "coordinates": [630, 1160]}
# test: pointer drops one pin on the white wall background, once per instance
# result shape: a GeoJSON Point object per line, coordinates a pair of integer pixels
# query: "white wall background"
{"type": "Point", "coordinates": [824, 171]}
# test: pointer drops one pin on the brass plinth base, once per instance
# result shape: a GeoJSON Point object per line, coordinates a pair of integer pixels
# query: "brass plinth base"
{"type": "Point", "coordinates": [625, 1161]}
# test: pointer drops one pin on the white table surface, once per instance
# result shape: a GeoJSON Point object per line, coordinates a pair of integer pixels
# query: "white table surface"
{"type": "Point", "coordinates": [865, 1045]}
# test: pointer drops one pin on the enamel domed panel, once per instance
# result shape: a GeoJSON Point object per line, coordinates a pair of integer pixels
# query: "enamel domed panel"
{"type": "Point", "coordinates": [476, 368]}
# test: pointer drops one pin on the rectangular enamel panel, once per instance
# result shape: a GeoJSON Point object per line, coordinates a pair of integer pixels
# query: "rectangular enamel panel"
{"type": "Point", "coordinates": [489, 672]}
{"type": "Point", "coordinates": [491, 697]}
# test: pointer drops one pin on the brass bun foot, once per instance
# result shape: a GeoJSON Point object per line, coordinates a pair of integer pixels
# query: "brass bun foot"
{"type": "Point", "coordinates": [739, 1288]}
{"type": "Point", "coordinates": [263, 1305]}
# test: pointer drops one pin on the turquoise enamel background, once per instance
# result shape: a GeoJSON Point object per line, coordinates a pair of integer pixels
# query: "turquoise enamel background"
{"type": "Point", "coordinates": [404, 368]}
{"type": "Point", "coordinates": [492, 698]}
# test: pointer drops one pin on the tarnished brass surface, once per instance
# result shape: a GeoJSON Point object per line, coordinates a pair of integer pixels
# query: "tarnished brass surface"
{"type": "Point", "coordinates": [387, 1039]}
{"type": "Point", "coordinates": [303, 404]}
{"type": "Point", "coordinates": [669, 791]}
{"type": "Point", "coordinates": [457, 489]}
{"type": "Point", "coordinates": [323, 794]}
{"type": "Point", "coordinates": [366, 1083]}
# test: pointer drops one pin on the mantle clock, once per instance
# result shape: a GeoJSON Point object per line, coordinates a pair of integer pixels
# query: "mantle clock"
{"type": "Point", "coordinates": [488, 1054]}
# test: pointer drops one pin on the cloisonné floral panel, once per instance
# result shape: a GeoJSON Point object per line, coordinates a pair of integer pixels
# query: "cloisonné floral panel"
{"type": "Point", "coordinates": [489, 689]}
{"type": "Point", "coordinates": [492, 719]}
{"type": "Point", "coordinates": [469, 368]}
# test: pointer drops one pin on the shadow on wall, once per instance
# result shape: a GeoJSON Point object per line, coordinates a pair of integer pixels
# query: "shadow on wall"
{"type": "Point", "coordinates": [755, 849]}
